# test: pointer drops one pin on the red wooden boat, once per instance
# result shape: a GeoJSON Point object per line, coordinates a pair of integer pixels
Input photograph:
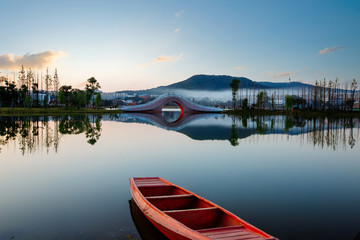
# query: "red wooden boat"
{"type": "Point", "coordinates": [181, 214]}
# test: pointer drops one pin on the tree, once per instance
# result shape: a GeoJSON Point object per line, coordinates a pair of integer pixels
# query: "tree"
{"type": "Point", "coordinates": [29, 79]}
{"type": "Point", "coordinates": [261, 98]}
{"type": "Point", "coordinates": [56, 85]}
{"type": "Point", "coordinates": [8, 93]}
{"type": "Point", "coordinates": [272, 102]}
{"type": "Point", "coordinates": [353, 88]}
{"type": "Point", "coordinates": [48, 81]}
{"type": "Point", "coordinates": [234, 89]}
{"type": "Point", "coordinates": [91, 87]}
{"type": "Point", "coordinates": [316, 94]}
{"type": "Point", "coordinates": [245, 104]}
{"type": "Point", "coordinates": [28, 101]}
{"type": "Point", "coordinates": [22, 76]}
{"type": "Point", "coordinates": [233, 136]}
{"type": "Point", "coordinates": [22, 94]}
{"type": "Point", "coordinates": [64, 94]}
{"type": "Point", "coordinates": [98, 100]}
{"type": "Point", "coordinates": [61, 97]}
{"type": "Point", "coordinates": [288, 102]}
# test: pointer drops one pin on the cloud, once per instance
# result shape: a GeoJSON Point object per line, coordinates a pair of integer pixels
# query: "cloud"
{"type": "Point", "coordinates": [163, 58]}
{"type": "Point", "coordinates": [176, 30]}
{"type": "Point", "coordinates": [179, 13]}
{"type": "Point", "coordinates": [320, 74]}
{"type": "Point", "coordinates": [240, 67]}
{"type": "Point", "coordinates": [328, 50]}
{"type": "Point", "coordinates": [282, 74]}
{"type": "Point", "coordinates": [36, 61]}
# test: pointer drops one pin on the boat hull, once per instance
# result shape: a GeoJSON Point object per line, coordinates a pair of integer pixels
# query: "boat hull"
{"type": "Point", "coordinates": [181, 215]}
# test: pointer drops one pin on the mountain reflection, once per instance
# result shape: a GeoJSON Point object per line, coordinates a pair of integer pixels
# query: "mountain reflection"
{"type": "Point", "coordinates": [30, 134]}
{"type": "Point", "coordinates": [318, 131]}
{"type": "Point", "coordinates": [39, 133]}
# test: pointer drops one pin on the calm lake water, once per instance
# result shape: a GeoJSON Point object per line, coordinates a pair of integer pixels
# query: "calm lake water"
{"type": "Point", "coordinates": [67, 177]}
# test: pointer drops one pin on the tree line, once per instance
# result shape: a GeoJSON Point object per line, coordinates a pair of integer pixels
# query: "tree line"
{"type": "Point", "coordinates": [322, 95]}
{"type": "Point", "coordinates": [33, 91]}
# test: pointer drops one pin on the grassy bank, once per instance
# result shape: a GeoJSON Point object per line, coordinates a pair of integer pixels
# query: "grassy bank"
{"type": "Point", "coordinates": [303, 113]}
{"type": "Point", "coordinates": [53, 111]}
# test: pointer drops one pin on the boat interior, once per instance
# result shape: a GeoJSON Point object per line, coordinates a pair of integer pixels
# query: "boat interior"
{"type": "Point", "coordinates": [186, 208]}
{"type": "Point", "coordinates": [194, 212]}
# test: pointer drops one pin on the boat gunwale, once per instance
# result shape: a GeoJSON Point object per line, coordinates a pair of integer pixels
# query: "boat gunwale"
{"type": "Point", "coordinates": [245, 224]}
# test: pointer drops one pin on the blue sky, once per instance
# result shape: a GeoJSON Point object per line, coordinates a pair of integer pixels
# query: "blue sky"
{"type": "Point", "coordinates": [144, 44]}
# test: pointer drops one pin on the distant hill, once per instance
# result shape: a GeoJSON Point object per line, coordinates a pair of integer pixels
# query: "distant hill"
{"type": "Point", "coordinates": [204, 82]}
{"type": "Point", "coordinates": [284, 84]}
{"type": "Point", "coordinates": [213, 83]}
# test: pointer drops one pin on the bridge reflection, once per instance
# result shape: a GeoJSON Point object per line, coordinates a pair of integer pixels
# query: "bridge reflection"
{"type": "Point", "coordinates": [164, 119]}
{"type": "Point", "coordinates": [321, 132]}
{"type": "Point", "coordinates": [33, 133]}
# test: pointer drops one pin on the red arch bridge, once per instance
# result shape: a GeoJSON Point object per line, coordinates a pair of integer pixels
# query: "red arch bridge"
{"type": "Point", "coordinates": [157, 105]}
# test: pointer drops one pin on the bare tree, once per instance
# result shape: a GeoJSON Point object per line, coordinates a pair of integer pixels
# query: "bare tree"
{"type": "Point", "coordinates": [22, 76]}
{"type": "Point", "coordinates": [56, 85]}
{"type": "Point", "coordinates": [48, 81]}
{"type": "Point", "coordinates": [345, 94]}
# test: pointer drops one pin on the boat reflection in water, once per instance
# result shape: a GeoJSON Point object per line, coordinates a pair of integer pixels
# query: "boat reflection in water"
{"type": "Point", "coordinates": [146, 229]}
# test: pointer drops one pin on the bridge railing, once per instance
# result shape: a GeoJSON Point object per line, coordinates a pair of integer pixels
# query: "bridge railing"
{"type": "Point", "coordinates": [187, 102]}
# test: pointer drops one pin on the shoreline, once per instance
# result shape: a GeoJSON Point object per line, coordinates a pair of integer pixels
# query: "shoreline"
{"type": "Point", "coordinates": [302, 113]}
{"type": "Point", "coordinates": [57, 111]}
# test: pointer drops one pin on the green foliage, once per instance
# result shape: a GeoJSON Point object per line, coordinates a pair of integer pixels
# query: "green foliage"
{"type": "Point", "coordinates": [272, 102]}
{"type": "Point", "coordinates": [261, 98]}
{"type": "Point", "coordinates": [261, 127]}
{"type": "Point", "coordinates": [244, 121]}
{"type": "Point", "coordinates": [22, 94]}
{"type": "Point", "coordinates": [28, 101]}
{"type": "Point", "coordinates": [289, 123]}
{"type": "Point", "coordinates": [233, 136]}
{"type": "Point", "coordinates": [245, 104]}
{"type": "Point", "coordinates": [61, 98]}
{"type": "Point", "coordinates": [64, 95]}
{"type": "Point", "coordinates": [234, 89]}
{"type": "Point", "coordinates": [288, 102]}
{"type": "Point", "coordinates": [91, 87]}
{"type": "Point", "coordinates": [98, 100]}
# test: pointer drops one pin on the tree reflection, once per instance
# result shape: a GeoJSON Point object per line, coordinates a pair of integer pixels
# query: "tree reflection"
{"type": "Point", "coordinates": [82, 124]}
{"type": "Point", "coordinates": [320, 132]}
{"type": "Point", "coordinates": [233, 135]}
{"type": "Point", "coordinates": [36, 133]}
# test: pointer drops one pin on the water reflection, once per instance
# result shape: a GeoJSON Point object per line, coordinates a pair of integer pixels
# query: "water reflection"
{"type": "Point", "coordinates": [44, 133]}
{"type": "Point", "coordinates": [320, 132]}
{"type": "Point", "coordinates": [39, 133]}
{"type": "Point", "coordinates": [145, 228]}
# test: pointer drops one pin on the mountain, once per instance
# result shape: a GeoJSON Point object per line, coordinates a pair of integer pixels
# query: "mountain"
{"type": "Point", "coordinates": [284, 84]}
{"type": "Point", "coordinates": [213, 83]}
{"type": "Point", "coordinates": [204, 82]}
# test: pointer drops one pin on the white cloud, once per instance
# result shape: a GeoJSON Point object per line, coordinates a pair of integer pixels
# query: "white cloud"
{"type": "Point", "coordinates": [163, 58]}
{"type": "Point", "coordinates": [176, 30]}
{"type": "Point", "coordinates": [328, 50]}
{"type": "Point", "coordinates": [240, 67]}
{"type": "Point", "coordinates": [36, 61]}
{"type": "Point", "coordinates": [282, 74]}
{"type": "Point", "coordinates": [179, 13]}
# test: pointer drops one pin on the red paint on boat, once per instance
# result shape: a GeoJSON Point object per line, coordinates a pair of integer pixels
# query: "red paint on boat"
{"type": "Point", "coordinates": [180, 214]}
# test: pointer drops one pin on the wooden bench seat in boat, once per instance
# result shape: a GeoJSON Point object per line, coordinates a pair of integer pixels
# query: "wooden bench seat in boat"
{"type": "Point", "coordinates": [177, 202]}
{"type": "Point", "coordinates": [230, 233]}
{"type": "Point", "coordinates": [181, 214]}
